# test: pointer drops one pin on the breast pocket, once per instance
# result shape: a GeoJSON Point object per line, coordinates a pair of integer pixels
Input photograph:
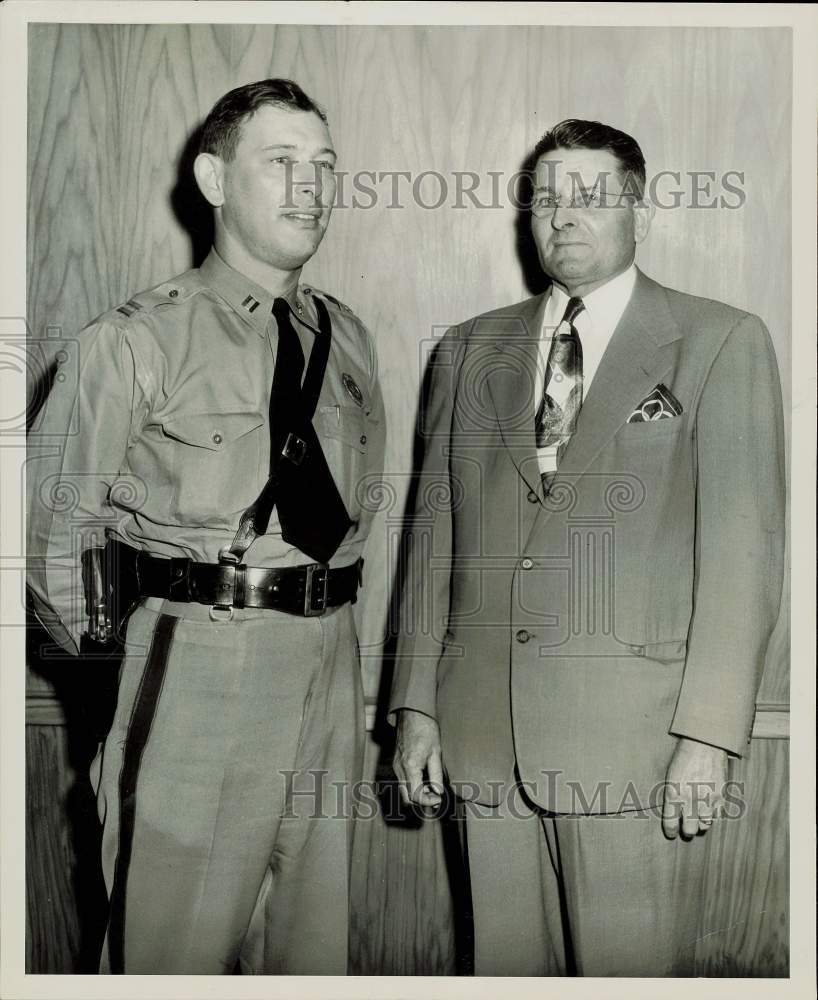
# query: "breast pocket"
{"type": "Point", "coordinates": [649, 448]}
{"type": "Point", "coordinates": [344, 432]}
{"type": "Point", "coordinates": [651, 430]}
{"type": "Point", "coordinates": [215, 464]}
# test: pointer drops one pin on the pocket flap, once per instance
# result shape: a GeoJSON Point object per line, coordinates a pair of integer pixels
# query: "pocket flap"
{"type": "Point", "coordinates": [665, 652]}
{"type": "Point", "coordinates": [211, 430]}
{"type": "Point", "coordinates": [346, 423]}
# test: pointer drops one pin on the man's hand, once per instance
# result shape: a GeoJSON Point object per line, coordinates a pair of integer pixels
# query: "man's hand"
{"type": "Point", "coordinates": [417, 748]}
{"type": "Point", "coordinates": [695, 780]}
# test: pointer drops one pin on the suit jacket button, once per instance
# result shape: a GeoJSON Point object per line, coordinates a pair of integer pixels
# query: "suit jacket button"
{"type": "Point", "coordinates": [523, 636]}
{"type": "Point", "coordinates": [532, 497]}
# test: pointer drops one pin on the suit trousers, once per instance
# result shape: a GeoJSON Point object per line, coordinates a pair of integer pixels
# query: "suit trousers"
{"type": "Point", "coordinates": [223, 789]}
{"type": "Point", "coordinates": [587, 895]}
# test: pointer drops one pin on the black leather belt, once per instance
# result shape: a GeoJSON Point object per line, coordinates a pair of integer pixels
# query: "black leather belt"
{"type": "Point", "coordinates": [298, 590]}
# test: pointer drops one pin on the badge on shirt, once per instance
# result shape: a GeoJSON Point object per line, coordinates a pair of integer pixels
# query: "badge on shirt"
{"type": "Point", "coordinates": [352, 389]}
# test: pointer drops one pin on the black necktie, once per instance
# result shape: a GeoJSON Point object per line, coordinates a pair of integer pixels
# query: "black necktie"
{"type": "Point", "coordinates": [311, 511]}
{"type": "Point", "coordinates": [556, 417]}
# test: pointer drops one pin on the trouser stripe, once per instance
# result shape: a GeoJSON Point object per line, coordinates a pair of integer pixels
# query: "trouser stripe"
{"type": "Point", "coordinates": [144, 709]}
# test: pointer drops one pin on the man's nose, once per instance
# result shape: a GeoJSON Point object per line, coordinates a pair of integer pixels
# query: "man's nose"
{"type": "Point", "coordinates": [306, 179]}
{"type": "Point", "coordinates": [563, 218]}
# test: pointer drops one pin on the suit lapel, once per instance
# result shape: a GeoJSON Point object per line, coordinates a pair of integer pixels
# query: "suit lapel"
{"type": "Point", "coordinates": [512, 353]}
{"type": "Point", "coordinates": [639, 355]}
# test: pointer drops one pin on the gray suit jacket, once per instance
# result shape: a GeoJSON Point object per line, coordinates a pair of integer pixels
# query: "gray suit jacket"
{"type": "Point", "coordinates": [576, 636]}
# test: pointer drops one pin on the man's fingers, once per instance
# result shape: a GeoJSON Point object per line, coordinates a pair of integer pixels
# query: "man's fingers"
{"type": "Point", "coordinates": [416, 787]}
{"type": "Point", "coordinates": [417, 761]}
{"type": "Point", "coordinates": [412, 787]}
{"type": "Point", "coordinates": [402, 787]}
{"type": "Point", "coordinates": [670, 825]}
{"type": "Point", "coordinates": [404, 778]}
{"type": "Point", "coordinates": [690, 825]}
{"type": "Point", "coordinates": [671, 812]}
{"type": "Point", "coordinates": [435, 769]}
{"type": "Point", "coordinates": [413, 780]}
{"type": "Point", "coordinates": [429, 798]}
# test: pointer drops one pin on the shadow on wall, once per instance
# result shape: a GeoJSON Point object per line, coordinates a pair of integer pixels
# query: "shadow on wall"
{"type": "Point", "coordinates": [535, 279]}
{"type": "Point", "coordinates": [190, 207]}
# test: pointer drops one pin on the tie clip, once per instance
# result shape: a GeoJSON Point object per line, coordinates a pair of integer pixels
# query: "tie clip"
{"type": "Point", "coordinates": [295, 448]}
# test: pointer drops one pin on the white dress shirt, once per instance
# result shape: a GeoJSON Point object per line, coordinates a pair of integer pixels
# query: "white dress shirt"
{"type": "Point", "coordinates": [595, 325]}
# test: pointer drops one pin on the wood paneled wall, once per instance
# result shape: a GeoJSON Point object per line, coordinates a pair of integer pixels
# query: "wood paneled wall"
{"type": "Point", "coordinates": [111, 108]}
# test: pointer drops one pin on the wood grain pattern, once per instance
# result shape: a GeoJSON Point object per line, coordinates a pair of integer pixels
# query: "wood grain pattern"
{"type": "Point", "coordinates": [745, 929]}
{"type": "Point", "coordinates": [111, 108]}
{"type": "Point", "coordinates": [52, 923]}
{"type": "Point", "coordinates": [402, 919]}
{"type": "Point", "coordinates": [65, 898]}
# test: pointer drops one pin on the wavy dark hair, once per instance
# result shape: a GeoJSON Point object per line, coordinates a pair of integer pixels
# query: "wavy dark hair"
{"type": "Point", "coordinates": [575, 133]}
{"type": "Point", "coordinates": [222, 128]}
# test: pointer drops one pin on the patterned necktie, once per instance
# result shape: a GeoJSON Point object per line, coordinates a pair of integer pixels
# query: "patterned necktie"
{"type": "Point", "coordinates": [556, 417]}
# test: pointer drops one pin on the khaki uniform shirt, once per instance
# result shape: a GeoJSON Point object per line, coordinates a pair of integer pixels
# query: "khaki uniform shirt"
{"type": "Point", "coordinates": [156, 432]}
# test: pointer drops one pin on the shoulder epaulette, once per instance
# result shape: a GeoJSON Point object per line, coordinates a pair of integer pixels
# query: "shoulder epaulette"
{"type": "Point", "coordinates": [330, 298]}
{"type": "Point", "coordinates": [168, 293]}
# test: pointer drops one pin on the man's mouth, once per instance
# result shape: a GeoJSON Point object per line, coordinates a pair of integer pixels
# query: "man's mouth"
{"type": "Point", "coordinates": [304, 215]}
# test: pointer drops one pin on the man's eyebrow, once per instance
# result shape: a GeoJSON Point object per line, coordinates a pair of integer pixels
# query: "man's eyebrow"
{"type": "Point", "coordinates": [284, 145]}
{"type": "Point", "coordinates": [543, 187]}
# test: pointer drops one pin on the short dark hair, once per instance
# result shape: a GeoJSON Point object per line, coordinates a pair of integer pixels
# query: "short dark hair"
{"type": "Point", "coordinates": [574, 133]}
{"type": "Point", "coordinates": [221, 130]}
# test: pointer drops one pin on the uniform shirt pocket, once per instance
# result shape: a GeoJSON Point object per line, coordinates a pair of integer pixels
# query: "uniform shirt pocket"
{"type": "Point", "coordinates": [344, 423]}
{"type": "Point", "coordinates": [215, 464]}
{"type": "Point", "coordinates": [344, 433]}
{"type": "Point", "coordinates": [214, 431]}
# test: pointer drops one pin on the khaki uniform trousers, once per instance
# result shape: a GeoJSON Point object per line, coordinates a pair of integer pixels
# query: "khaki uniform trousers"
{"type": "Point", "coordinates": [223, 789]}
{"type": "Point", "coordinates": [580, 895]}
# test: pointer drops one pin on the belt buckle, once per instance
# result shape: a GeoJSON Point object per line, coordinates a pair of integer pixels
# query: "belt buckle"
{"type": "Point", "coordinates": [222, 611]}
{"type": "Point", "coordinates": [316, 573]}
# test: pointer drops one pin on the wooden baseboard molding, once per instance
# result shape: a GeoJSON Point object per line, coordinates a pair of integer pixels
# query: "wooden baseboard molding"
{"type": "Point", "coordinates": [772, 721]}
{"type": "Point", "coordinates": [43, 709]}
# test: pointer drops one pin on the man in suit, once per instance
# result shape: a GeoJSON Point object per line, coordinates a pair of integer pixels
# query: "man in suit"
{"type": "Point", "coordinates": [600, 583]}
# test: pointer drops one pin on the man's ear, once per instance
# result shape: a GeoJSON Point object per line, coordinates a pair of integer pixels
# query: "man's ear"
{"type": "Point", "coordinates": [643, 212]}
{"type": "Point", "coordinates": [208, 169]}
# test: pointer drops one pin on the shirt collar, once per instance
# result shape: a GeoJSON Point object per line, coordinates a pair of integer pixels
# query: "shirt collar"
{"type": "Point", "coordinates": [252, 302]}
{"type": "Point", "coordinates": [604, 305]}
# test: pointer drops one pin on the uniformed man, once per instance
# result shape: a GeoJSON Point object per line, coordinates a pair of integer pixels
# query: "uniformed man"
{"type": "Point", "coordinates": [220, 432]}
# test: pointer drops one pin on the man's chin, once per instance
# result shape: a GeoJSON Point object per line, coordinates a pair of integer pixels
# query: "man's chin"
{"type": "Point", "coordinates": [297, 252]}
{"type": "Point", "coordinates": [565, 276]}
